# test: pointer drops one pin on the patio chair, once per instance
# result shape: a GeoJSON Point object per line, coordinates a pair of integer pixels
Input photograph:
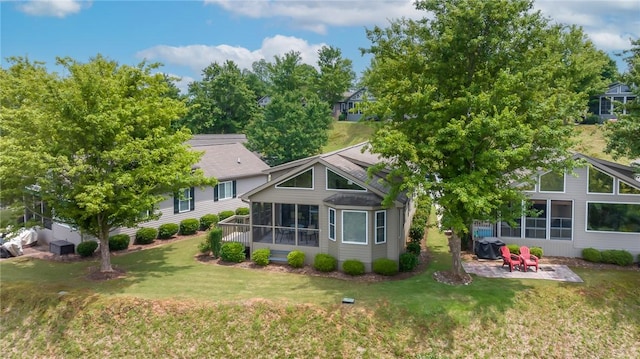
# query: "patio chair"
{"type": "Point", "coordinates": [528, 259]}
{"type": "Point", "coordinates": [512, 260]}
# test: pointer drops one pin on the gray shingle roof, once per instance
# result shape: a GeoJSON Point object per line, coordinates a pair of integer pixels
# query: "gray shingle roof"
{"type": "Point", "coordinates": [230, 161]}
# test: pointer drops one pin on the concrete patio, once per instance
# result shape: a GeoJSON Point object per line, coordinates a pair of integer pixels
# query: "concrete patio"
{"type": "Point", "coordinates": [494, 269]}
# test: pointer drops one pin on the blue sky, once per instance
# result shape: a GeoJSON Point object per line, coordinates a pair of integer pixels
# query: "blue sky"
{"type": "Point", "coordinates": [186, 36]}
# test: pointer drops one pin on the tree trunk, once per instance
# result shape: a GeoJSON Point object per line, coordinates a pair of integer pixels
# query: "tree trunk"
{"type": "Point", "coordinates": [454, 247]}
{"type": "Point", "coordinates": [105, 255]}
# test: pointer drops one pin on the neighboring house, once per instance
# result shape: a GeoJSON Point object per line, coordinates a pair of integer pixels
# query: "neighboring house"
{"type": "Point", "coordinates": [264, 101]}
{"type": "Point", "coordinates": [599, 207]}
{"type": "Point", "coordinates": [326, 204]}
{"type": "Point", "coordinates": [609, 103]}
{"type": "Point", "coordinates": [237, 170]}
{"type": "Point", "coordinates": [349, 107]}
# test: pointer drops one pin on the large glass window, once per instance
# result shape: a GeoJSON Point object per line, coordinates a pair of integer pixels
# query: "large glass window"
{"type": "Point", "coordinates": [354, 227]}
{"type": "Point", "coordinates": [184, 200]}
{"type": "Point", "coordinates": [605, 105]}
{"type": "Point", "coordinates": [381, 226]}
{"type": "Point", "coordinates": [552, 182]}
{"type": "Point", "coordinates": [624, 188]}
{"type": "Point", "coordinates": [536, 222]}
{"type": "Point", "coordinates": [335, 181]}
{"type": "Point", "coordinates": [561, 220]}
{"type": "Point", "coordinates": [599, 182]}
{"type": "Point", "coordinates": [224, 190]}
{"type": "Point", "coordinates": [302, 180]}
{"type": "Point", "coordinates": [332, 224]}
{"type": "Point", "coordinates": [613, 217]}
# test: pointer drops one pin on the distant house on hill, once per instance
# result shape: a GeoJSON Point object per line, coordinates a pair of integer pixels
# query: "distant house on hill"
{"type": "Point", "coordinates": [608, 104]}
{"type": "Point", "coordinates": [348, 109]}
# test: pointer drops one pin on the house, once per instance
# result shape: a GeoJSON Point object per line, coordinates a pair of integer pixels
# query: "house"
{"type": "Point", "coordinates": [237, 170]}
{"type": "Point", "coordinates": [608, 104]}
{"type": "Point", "coordinates": [598, 207]}
{"type": "Point", "coordinates": [326, 204]}
{"type": "Point", "coordinates": [349, 107]}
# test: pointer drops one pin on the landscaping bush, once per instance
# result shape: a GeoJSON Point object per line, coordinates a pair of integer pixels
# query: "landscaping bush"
{"type": "Point", "coordinates": [207, 221]}
{"type": "Point", "coordinates": [215, 241]}
{"type": "Point", "coordinates": [408, 262]}
{"type": "Point", "coordinates": [591, 119]}
{"type": "Point", "coordinates": [385, 267]}
{"type": "Point", "coordinates": [119, 242]}
{"type": "Point", "coordinates": [296, 259]}
{"type": "Point", "coordinates": [232, 252]}
{"type": "Point", "coordinates": [324, 262]}
{"type": "Point", "coordinates": [226, 214]}
{"type": "Point", "coordinates": [261, 256]}
{"type": "Point", "coordinates": [167, 230]}
{"type": "Point", "coordinates": [514, 248]}
{"type": "Point", "coordinates": [617, 256]}
{"type": "Point", "coordinates": [414, 248]}
{"type": "Point", "coordinates": [242, 211]}
{"type": "Point", "coordinates": [353, 267]}
{"type": "Point", "coordinates": [536, 251]}
{"type": "Point", "coordinates": [205, 246]}
{"type": "Point", "coordinates": [189, 226]}
{"type": "Point", "coordinates": [592, 255]}
{"type": "Point", "coordinates": [86, 249]}
{"type": "Point", "coordinates": [416, 233]}
{"type": "Point", "coordinates": [146, 235]}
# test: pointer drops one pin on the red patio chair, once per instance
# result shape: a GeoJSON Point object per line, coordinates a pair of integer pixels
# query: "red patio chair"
{"type": "Point", "coordinates": [512, 260]}
{"type": "Point", "coordinates": [528, 259]}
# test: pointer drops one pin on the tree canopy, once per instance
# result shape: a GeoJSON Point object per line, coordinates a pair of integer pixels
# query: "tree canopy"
{"type": "Point", "coordinates": [473, 98]}
{"type": "Point", "coordinates": [96, 144]}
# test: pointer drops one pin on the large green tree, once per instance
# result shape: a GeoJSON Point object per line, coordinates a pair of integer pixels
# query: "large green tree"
{"type": "Point", "coordinates": [96, 143]}
{"type": "Point", "coordinates": [473, 105]}
{"type": "Point", "coordinates": [623, 135]}
{"type": "Point", "coordinates": [336, 75]}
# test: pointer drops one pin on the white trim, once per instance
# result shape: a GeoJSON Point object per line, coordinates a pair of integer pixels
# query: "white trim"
{"type": "Point", "coordinates": [564, 183]}
{"type": "Point", "coordinates": [366, 227]}
{"type": "Point", "coordinates": [326, 183]}
{"type": "Point", "coordinates": [586, 217]}
{"type": "Point", "coordinates": [617, 188]}
{"type": "Point", "coordinates": [334, 224]}
{"type": "Point", "coordinates": [384, 226]}
{"type": "Point", "coordinates": [613, 184]}
{"type": "Point", "coordinates": [294, 176]}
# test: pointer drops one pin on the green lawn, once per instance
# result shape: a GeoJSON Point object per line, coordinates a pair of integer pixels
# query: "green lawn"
{"type": "Point", "coordinates": [170, 305]}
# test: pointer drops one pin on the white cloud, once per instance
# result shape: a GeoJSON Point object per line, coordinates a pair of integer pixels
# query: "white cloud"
{"type": "Point", "coordinates": [197, 57]}
{"type": "Point", "coordinates": [55, 8]}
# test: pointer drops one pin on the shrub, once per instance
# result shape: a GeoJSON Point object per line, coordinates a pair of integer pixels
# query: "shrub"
{"type": "Point", "coordinates": [215, 241]}
{"type": "Point", "coordinates": [119, 242]}
{"type": "Point", "coordinates": [514, 249]}
{"type": "Point", "coordinates": [416, 233]}
{"type": "Point", "coordinates": [226, 214]}
{"type": "Point", "coordinates": [536, 251]}
{"type": "Point", "coordinates": [232, 252]}
{"type": "Point", "coordinates": [414, 248]}
{"type": "Point", "coordinates": [592, 255]}
{"type": "Point", "coordinates": [261, 256]}
{"type": "Point", "coordinates": [408, 262]}
{"type": "Point", "coordinates": [385, 266]}
{"type": "Point", "coordinates": [591, 119]}
{"type": "Point", "coordinates": [167, 230]}
{"type": "Point", "coordinates": [207, 221]}
{"type": "Point", "coordinates": [86, 249]}
{"type": "Point", "coordinates": [617, 256]}
{"type": "Point", "coordinates": [146, 235]}
{"type": "Point", "coordinates": [189, 226]}
{"type": "Point", "coordinates": [242, 211]}
{"type": "Point", "coordinates": [353, 267]}
{"type": "Point", "coordinates": [205, 246]}
{"type": "Point", "coordinates": [296, 259]}
{"type": "Point", "coordinates": [325, 262]}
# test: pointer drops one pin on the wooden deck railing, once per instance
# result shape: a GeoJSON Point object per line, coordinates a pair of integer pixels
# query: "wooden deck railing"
{"type": "Point", "coordinates": [236, 229]}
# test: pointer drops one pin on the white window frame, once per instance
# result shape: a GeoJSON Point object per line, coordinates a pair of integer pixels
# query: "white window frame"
{"type": "Point", "coordinates": [613, 180]}
{"type": "Point", "coordinates": [187, 198]}
{"type": "Point", "coordinates": [586, 217]}
{"type": "Point", "coordinates": [313, 180]}
{"type": "Point", "coordinates": [617, 188]}
{"type": "Point", "coordinates": [227, 185]}
{"type": "Point", "coordinates": [384, 226]}
{"type": "Point", "coordinates": [326, 181]}
{"type": "Point", "coordinates": [564, 183]}
{"type": "Point", "coordinates": [366, 227]}
{"type": "Point", "coordinates": [332, 225]}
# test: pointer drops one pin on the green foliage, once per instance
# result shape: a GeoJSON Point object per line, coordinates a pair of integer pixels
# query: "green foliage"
{"type": "Point", "coordinates": [189, 226]}
{"type": "Point", "coordinates": [353, 267]}
{"type": "Point", "coordinates": [215, 241]}
{"type": "Point", "coordinates": [408, 261]}
{"type": "Point", "coordinates": [592, 255]}
{"type": "Point", "coordinates": [226, 214]}
{"type": "Point", "coordinates": [145, 235]}
{"type": "Point", "coordinates": [261, 256]}
{"type": "Point", "coordinates": [414, 248]}
{"type": "Point", "coordinates": [591, 120]}
{"type": "Point", "coordinates": [232, 252]}
{"type": "Point", "coordinates": [385, 266]}
{"type": "Point", "coordinates": [617, 256]}
{"type": "Point", "coordinates": [242, 211]}
{"type": "Point", "coordinates": [207, 221]}
{"type": "Point", "coordinates": [325, 262]}
{"type": "Point", "coordinates": [416, 233]}
{"type": "Point", "coordinates": [295, 258]}
{"type": "Point", "coordinates": [119, 242]}
{"type": "Point", "coordinates": [336, 75]}
{"type": "Point", "coordinates": [167, 230]}
{"type": "Point", "coordinates": [514, 248]}
{"type": "Point", "coordinates": [204, 247]}
{"type": "Point", "coordinates": [86, 249]}
{"type": "Point", "coordinates": [536, 251]}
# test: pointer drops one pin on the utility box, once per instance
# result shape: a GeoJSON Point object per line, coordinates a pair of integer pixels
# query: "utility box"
{"type": "Point", "coordinates": [61, 247]}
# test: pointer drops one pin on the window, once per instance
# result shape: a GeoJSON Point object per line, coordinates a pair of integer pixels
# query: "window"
{"type": "Point", "coordinates": [354, 227]}
{"type": "Point", "coordinates": [224, 190]}
{"type": "Point", "coordinates": [561, 220]}
{"type": "Point", "coordinates": [599, 182]}
{"type": "Point", "coordinates": [624, 188]}
{"type": "Point", "coordinates": [302, 180]}
{"type": "Point", "coordinates": [337, 182]}
{"type": "Point", "coordinates": [261, 213]}
{"type": "Point", "coordinates": [381, 227]}
{"type": "Point", "coordinates": [184, 200]}
{"type": "Point", "coordinates": [536, 222]}
{"type": "Point", "coordinates": [552, 182]}
{"type": "Point", "coordinates": [605, 105]}
{"type": "Point", "coordinates": [332, 224]}
{"type": "Point", "coordinates": [613, 217]}
{"type": "Point", "coordinates": [618, 104]}
{"type": "Point", "coordinates": [513, 229]}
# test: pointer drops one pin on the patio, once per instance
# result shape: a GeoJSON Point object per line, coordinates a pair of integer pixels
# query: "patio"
{"type": "Point", "coordinates": [494, 269]}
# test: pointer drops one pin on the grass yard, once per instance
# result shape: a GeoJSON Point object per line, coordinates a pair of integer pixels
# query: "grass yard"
{"type": "Point", "coordinates": [170, 305]}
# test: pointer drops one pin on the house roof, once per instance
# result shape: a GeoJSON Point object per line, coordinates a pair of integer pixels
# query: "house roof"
{"type": "Point", "coordinates": [625, 173]}
{"type": "Point", "coordinates": [230, 161]}
{"type": "Point", "coordinates": [216, 139]}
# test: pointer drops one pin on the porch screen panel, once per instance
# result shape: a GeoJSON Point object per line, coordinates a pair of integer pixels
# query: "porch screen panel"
{"type": "Point", "coordinates": [536, 223]}
{"type": "Point", "coordinates": [561, 223]}
{"type": "Point", "coordinates": [262, 219]}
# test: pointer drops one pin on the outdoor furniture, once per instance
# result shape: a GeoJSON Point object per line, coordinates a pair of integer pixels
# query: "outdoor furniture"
{"type": "Point", "coordinates": [512, 260]}
{"type": "Point", "coordinates": [528, 259]}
